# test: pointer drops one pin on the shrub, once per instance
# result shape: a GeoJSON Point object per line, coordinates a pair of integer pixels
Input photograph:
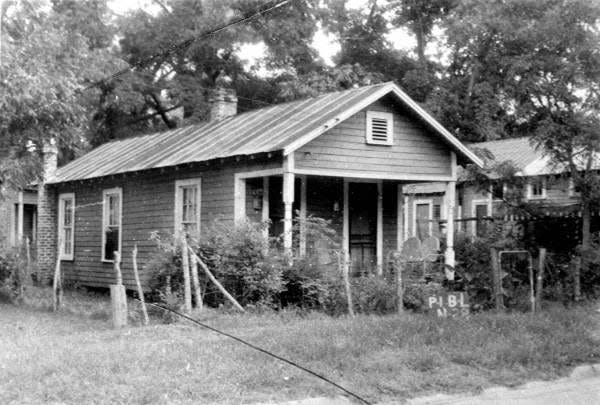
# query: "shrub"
{"type": "Point", "coordinates": [13, 275]}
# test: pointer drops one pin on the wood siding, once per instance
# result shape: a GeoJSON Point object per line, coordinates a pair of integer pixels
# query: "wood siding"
{"type": "Point", "coordinates": [148, 206]}
{"type": "Point", "coordinates": [416, 150]}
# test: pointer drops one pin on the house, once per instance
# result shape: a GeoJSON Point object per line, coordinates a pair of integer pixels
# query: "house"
{"type": "Point", "coordinates": [545, 185]}
{"type": "Point", "coordinates": [18, 215]}
{"type": "Point", "coordinates": [343, 156]}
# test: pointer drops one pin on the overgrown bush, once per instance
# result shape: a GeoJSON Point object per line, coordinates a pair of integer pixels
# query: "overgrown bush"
{"type": "Point", "coordinates": [14, 274]}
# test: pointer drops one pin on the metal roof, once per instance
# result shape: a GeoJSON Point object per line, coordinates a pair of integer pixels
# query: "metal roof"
{"type": "Point", "coordinates": [283, 127]}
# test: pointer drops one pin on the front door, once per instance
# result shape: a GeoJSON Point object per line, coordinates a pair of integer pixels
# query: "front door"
{"type": "Point", "coordinates": [362, 200]}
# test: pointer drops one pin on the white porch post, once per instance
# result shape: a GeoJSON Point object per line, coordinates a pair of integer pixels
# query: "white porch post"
{"type": "Point", "coordinates": [303, 208]}
{"type": "Point", "coordinates": [399, 218]}
{"type": "Point", "coordinates": [288, 200]}
{"type": "Point", "coordinates": [265, 204]}
{"type": "Point", "coordinates": [346, 222]}
{"type": "Point", "coordinates": [20, 211]}
{"type": "Point", "coordinates": [379, 243]}
{"type": "Point", "coordinates": [449, 203]}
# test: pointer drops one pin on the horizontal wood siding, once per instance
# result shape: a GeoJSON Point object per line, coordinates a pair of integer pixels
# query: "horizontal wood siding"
{"type": "Point", "coordinates": [416, 150]}
{"type": "Point", "coordinates": [148, 206]}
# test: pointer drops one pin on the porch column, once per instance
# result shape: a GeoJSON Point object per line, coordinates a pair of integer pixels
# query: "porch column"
{"type": "Point", "coordinates": [400, 224]}
{"type": "Point", "coordinates": [303, 207]}
{"type": "Point", "coordinates": [346, 222]}
{"type": "Point", "coordinates": [379, 243]}
{"type": "Point", "coordinates": [288, 200]}
{"type": "Point", "coordinates": [265, 204]}
{"type": "Point", "coordinates": [450, 200]}
{"type": "Point", "coordinates": [20, 218]}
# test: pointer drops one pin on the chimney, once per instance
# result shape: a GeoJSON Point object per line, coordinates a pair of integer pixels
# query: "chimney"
{"type": "Point", "coordinates": [223, 104]}
{"type": "Point", "coordinates": [50, 160]}
{"type": "Point", "coordinates": [47, 214]}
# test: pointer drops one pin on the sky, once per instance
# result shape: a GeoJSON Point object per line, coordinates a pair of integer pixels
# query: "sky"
{"type": "Point", "coordinates": [326, 45]}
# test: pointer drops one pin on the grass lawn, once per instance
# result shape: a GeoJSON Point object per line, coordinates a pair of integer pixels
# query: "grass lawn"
{"type": "Point", "coordinates": [74, 357]}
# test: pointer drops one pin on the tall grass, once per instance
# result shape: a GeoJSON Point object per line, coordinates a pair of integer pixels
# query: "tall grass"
{"type": "Point", "coordinates": [76, 358]}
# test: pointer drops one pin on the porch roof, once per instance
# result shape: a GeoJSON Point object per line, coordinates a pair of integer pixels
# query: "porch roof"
{"type": "Point", "coordinates": [283, 127]}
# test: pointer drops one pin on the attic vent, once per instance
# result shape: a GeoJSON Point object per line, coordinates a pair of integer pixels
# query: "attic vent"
{"type": "Point", "coordinates": [380, 128]}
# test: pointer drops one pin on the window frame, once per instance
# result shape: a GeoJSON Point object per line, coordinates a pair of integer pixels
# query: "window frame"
{"type": "Point", "coordinates": [414, 219]}
{"type": "Point", "coordinates": [61, 218]}
{"type": "Point", "coordinates": [105, 216]}
{"type": "Point", "coordinates": [178, 212]}
{"type": "Point", "coordinates": [530, 195]}
{"type": "Point", "coordinates": [389, 117]}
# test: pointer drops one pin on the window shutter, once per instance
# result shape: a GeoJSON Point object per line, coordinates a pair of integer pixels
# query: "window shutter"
{"type": "Point", "coordinates": [380, 128]}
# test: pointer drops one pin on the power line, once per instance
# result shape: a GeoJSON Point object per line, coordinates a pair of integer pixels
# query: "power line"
{"type": "Point", "coordinates": [187, 43]}
{"type": "Point", "coordinates": [268, 353]}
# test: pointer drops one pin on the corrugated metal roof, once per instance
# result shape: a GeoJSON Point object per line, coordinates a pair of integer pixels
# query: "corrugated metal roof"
{"type": "Point", "coordinates": [264, 130]}
{"type": "Point", "coordinates": [519, 151]}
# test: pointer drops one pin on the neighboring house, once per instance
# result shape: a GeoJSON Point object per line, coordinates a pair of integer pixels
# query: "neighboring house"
{"type": "Point", "coordinates": [18, 215]}
{"type": "Point", "coordinates": [545, 184]}
{"type": "Point", "coordinates": [341, 156]}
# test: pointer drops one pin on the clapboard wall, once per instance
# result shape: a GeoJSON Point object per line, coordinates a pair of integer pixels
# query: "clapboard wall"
{"type": "Point", "coordinates": [148, 206]}
{"type": "Point", "coordinates": [416, 150]}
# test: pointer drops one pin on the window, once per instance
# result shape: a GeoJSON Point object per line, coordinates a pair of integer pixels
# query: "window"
{"type": "Point", "coordinates": [437, 216]}
{"type": "Point", "coordinates": [573, 190]}
{"type": "Point", "coordinates": [187, 207]}
{"type": "Point", "coordinates": [480, 214]}
{"type": "Point", "coordinates": [111, 223]}
{"type": "Point", "coordinates": [422, 224]}
{"type": "Point", "coordinates": [380, 128]}
{"type": "Point", "coordinates": [498, 189]}
{"type": "Point", "coordinates": [66, 222]}
{"type": "Point", "coordinates": [536, 188]}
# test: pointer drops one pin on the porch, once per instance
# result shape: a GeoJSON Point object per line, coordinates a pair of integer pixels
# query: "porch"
{"type": "Point", "coordinates": [370, 216]}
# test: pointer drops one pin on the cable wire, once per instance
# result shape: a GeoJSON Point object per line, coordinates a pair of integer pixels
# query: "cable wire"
{"type": "Point", "coordinates": [268, 353]}
{"type": "Point", "coordinates": [186, 44]}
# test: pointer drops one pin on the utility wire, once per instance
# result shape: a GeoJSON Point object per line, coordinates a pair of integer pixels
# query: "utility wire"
{"type": "Point", "coordinates": [186, 44]}
{"type": "Point", "coordinates": [268, 353]}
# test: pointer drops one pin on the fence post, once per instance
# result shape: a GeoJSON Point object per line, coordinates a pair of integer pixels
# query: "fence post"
{"type": "Point", "coordinates": [576, 265]}
{"type": "Point", "coordinates": [498, 297]}
{"type": "Point", "coordinates": [187, 286]}
{"type": "Point", "coordinates": [343, 264]}
{"type": "Point", "coordinates": [139, 285]}
{"type": "Point", "coordinates": [399, 286]}
{"type": "Point", "coordinates": [118, 297]}
{"type": "Point", "coordinates": [540, 279]}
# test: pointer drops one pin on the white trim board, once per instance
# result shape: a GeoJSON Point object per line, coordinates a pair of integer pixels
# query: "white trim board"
{"type": "Point", "coordinates": [374, 176]}
{"type": "Point", "coordinates": [389, 88]}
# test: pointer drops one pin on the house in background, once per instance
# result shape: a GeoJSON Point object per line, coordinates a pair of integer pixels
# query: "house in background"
{"type": "Point", "coordinates": [546, 185]}
{"type": "Point", "coordinates": [18, 214]}
{"type": "Point", "coordinates": [342, 156]}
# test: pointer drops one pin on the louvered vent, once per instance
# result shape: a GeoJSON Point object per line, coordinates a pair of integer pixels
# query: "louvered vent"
{"type": "Point", "coordinates": [379, 128]}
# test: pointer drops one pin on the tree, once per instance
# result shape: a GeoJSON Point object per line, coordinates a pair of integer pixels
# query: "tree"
{"type": "Point", "coordinates": [530, 67]}
{"type": "Point", "coordinates": [44, 69]}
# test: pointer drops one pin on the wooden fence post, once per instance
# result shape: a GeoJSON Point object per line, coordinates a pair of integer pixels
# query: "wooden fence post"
{"type": "Point", "coordinates": [343, 263]}
{"type": "Point", "coordinates": [196, 281]}
{"type": "Point", "coordinates": [118, 297]}
{"type": "Point", "coordinates": [187, 287]}
{"type": "Point", "coordinates": [540, 279]}
{"type": "Point", "coordinates": [139, 285]}
{"type": "Point", "coordinates": [576, 265]}
{"type": "Point", "coordinates": [216, 282]}
{"type": "Point", "coordinates": [399, 286]}
{"type": "Point", "coordinates": [498, 296]}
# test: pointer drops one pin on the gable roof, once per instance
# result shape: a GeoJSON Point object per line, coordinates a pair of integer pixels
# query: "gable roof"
{"type": "Point", "coordinates": [283, 127]}
{"type": "Point", "coordinates": [519, 151]}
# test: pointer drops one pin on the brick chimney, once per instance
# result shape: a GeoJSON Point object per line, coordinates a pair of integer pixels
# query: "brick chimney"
{"type": "Point", "coordinates": [47, 214]}
{"type": "Point", "coordinates": [223, 103]}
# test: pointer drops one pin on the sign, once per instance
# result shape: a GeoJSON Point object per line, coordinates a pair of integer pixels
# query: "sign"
{"type": "Point", "coordinates": [449, 304]}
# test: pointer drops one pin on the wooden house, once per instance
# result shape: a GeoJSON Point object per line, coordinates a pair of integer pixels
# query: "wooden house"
{"type": "Point", "coordinates": [343, 156]}
{"type": "Point", "coordinates": [546, 186]}
{"type": "Point", "coordinates": [18, 216]}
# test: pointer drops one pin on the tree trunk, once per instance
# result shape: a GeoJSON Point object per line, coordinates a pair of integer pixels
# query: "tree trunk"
{"type": "Point", "coordinates": [586, 219]}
